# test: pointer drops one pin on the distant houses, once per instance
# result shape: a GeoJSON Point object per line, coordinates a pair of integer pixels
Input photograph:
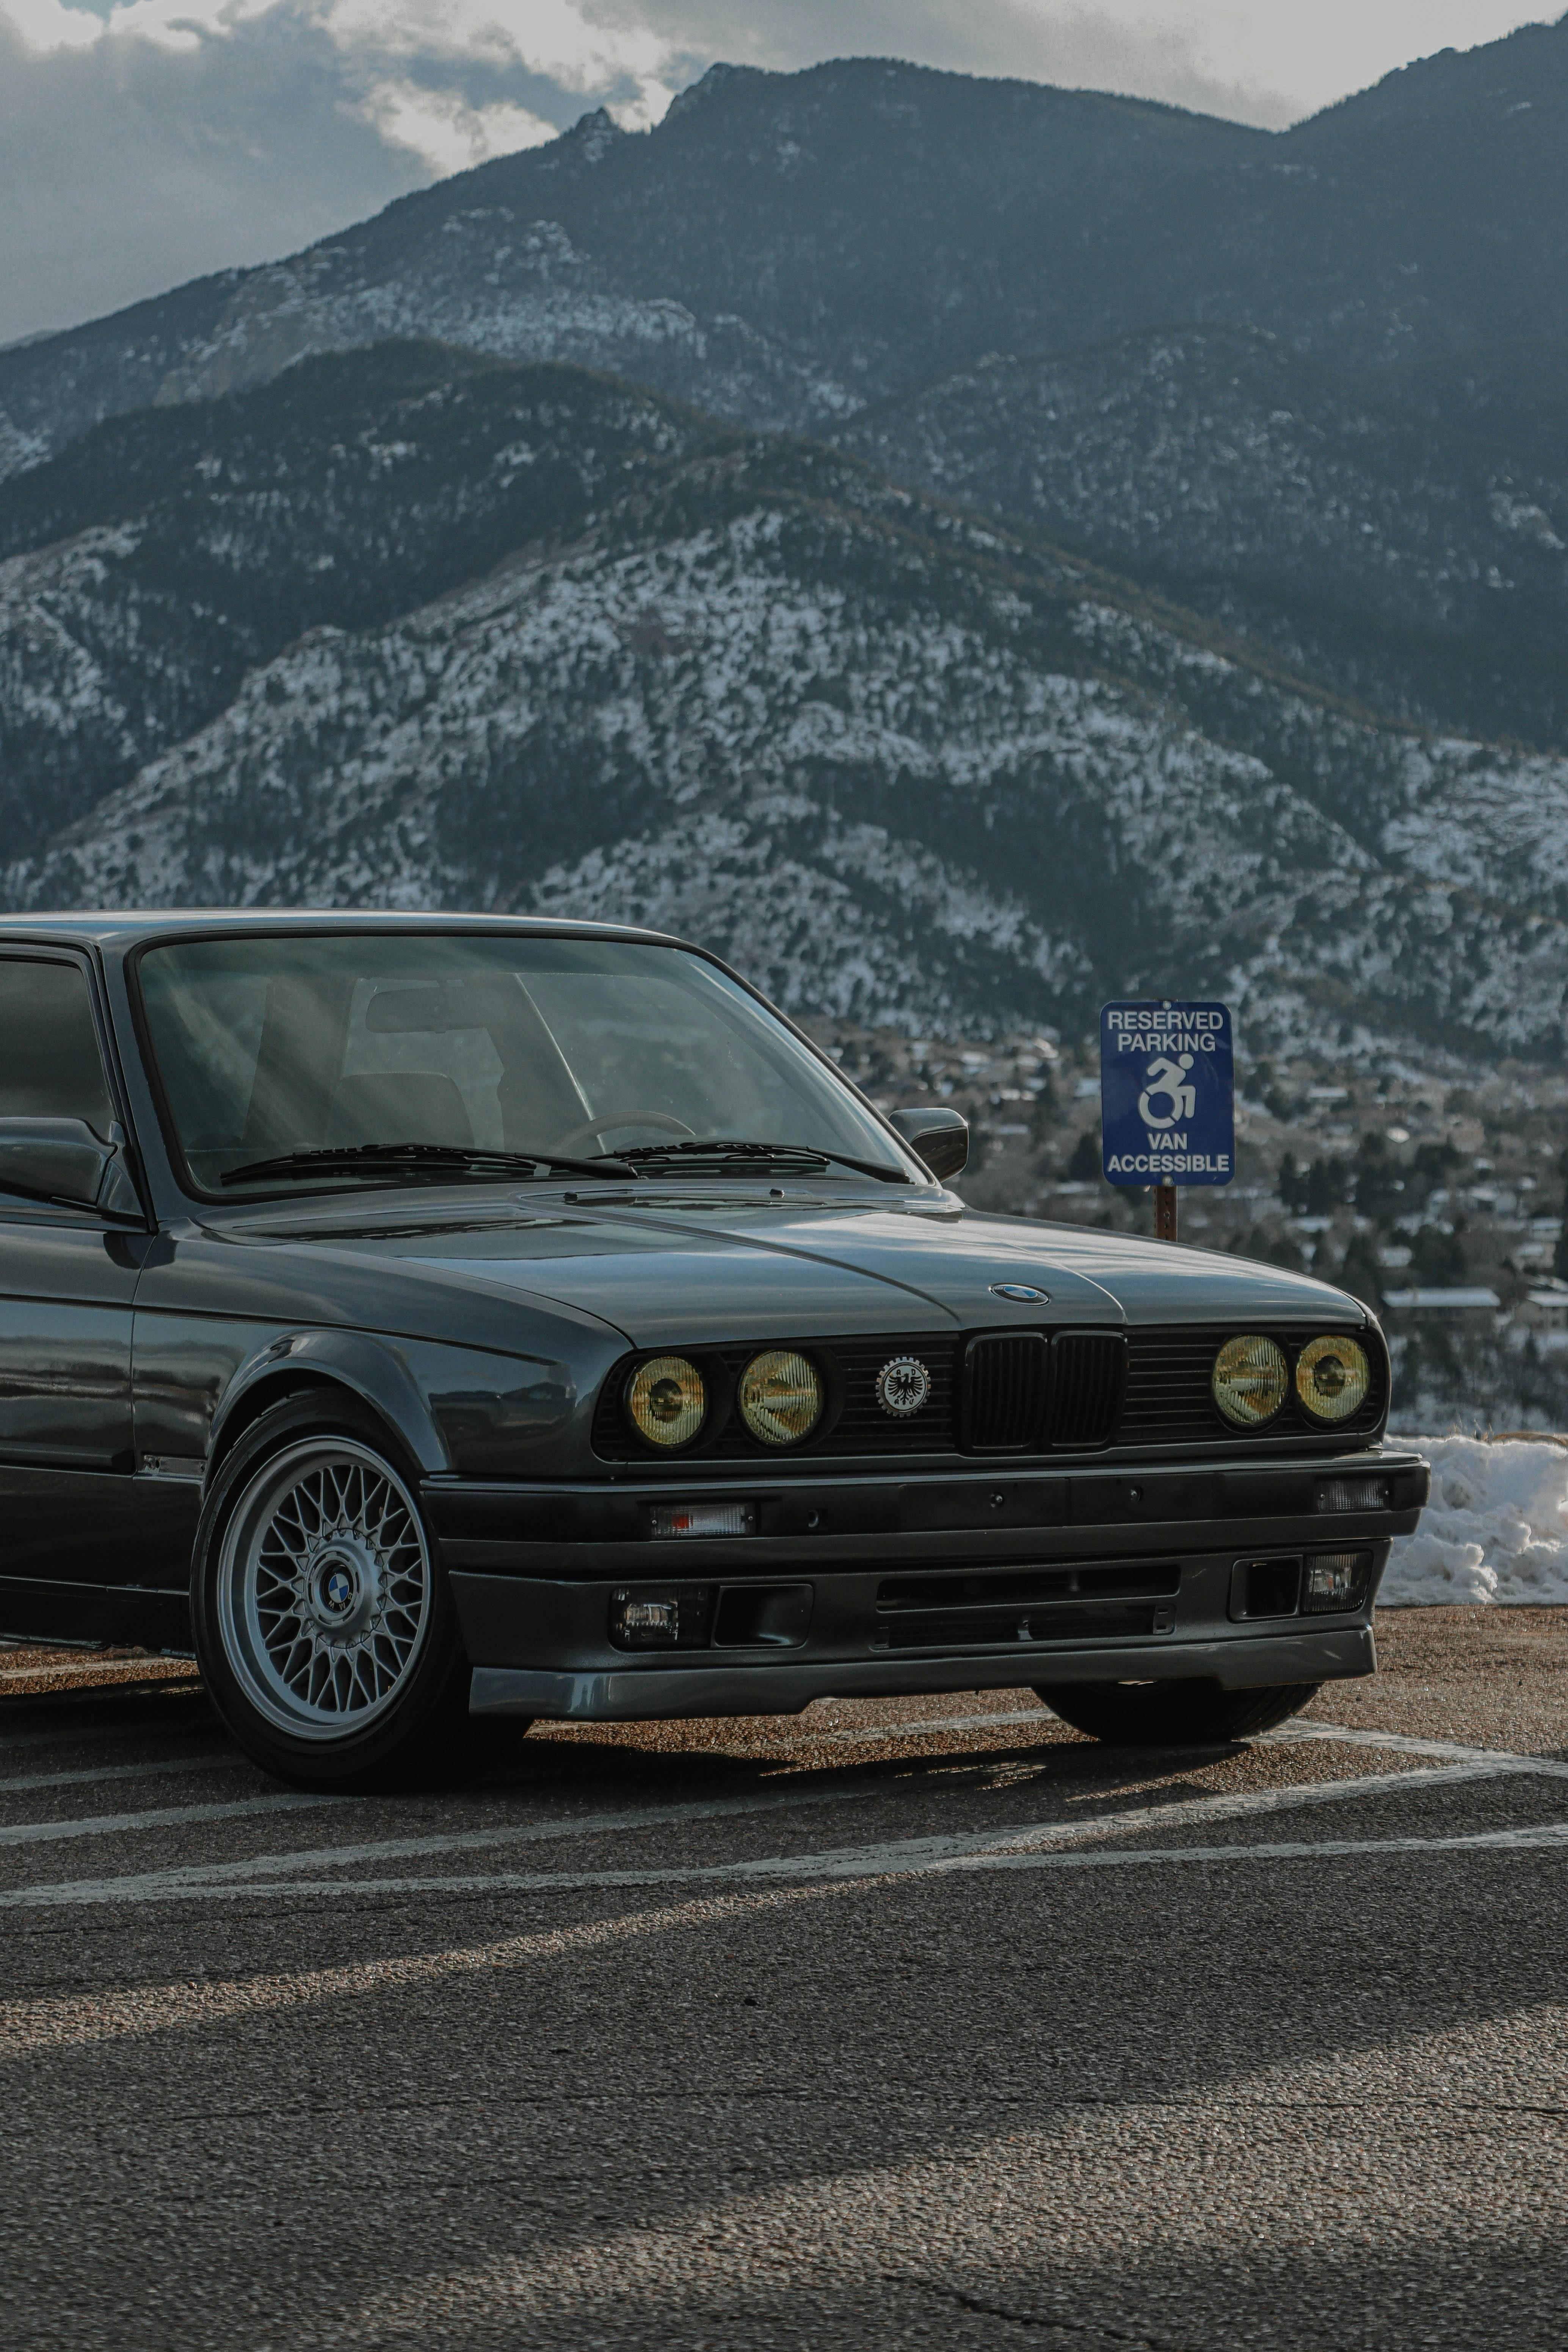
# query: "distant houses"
{"type": "Point", "coordinates": [1467, 1306]}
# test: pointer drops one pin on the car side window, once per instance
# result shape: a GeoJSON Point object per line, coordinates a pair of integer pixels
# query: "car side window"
{"type": "Point", "coordinates": [50, 1065]}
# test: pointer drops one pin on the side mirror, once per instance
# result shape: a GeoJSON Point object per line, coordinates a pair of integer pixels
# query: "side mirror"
{"type": "Point", "coordinates": [63, 1160]}
{"type": "Point", "coordinates": [941, 1138]}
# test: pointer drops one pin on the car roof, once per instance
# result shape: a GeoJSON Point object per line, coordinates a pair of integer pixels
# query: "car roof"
{"type": "Point", "coordinates": [131, 927]}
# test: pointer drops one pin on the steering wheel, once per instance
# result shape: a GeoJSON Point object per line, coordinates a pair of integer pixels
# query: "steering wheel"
{"type": "Point", "coordinates": [593, 1128]}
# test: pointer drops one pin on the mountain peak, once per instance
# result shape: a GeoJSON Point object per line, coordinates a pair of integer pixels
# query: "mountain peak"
{"type": "Point", "coordinates": [592, 134]}
{"type": "Point", "coordinates": [707, 85]}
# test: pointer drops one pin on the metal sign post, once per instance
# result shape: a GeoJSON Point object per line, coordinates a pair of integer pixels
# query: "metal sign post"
{"type": "Point", "coordinates": [1167, 1097]}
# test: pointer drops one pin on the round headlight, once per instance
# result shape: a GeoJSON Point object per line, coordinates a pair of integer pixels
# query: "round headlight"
{"type": "Point", "coordinates": [781, 1397]}
{"type": "Point", "coordinates": [667, 1400]}
{"type": "Point", "coordinates": [1251, 1381]}
{"type": "Point", "coordinates": [1333, 1376]}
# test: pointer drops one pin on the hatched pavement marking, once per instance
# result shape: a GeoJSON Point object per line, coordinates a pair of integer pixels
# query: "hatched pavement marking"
{"type": "Point", "coordinates": [868, 1864]}
{"type": "Point", "coordinates": [229, 1881]}
{"type": "Point", "coordinates": [1400, 1743]}
{"type": "Point", "coordinates": [160, 1817]}
{"type": "Point", "coordinates": [221, 1876]}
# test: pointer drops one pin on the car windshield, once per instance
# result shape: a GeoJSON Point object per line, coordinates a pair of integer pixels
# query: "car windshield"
{"type": "Point", "coordinates": [343, 1044]}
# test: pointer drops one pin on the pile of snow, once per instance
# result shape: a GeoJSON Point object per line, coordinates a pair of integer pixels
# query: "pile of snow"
{"type": "Point", "coordinates": [1495, 1529]}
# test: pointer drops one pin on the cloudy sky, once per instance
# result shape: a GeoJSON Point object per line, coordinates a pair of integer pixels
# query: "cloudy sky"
{"type": "Point", "coordinates": [142, 144]}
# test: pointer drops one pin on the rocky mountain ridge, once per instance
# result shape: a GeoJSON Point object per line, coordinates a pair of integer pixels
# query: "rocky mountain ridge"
{"type": "Point", "coordinates": [1074, 651]}
{"type": "Point", "coordinates": [783, 247]}
{"type": "Point", "coordinates": [1414, 563]}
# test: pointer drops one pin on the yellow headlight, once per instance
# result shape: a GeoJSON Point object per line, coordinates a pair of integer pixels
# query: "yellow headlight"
{"type": "Point", "coordinates": [667, 1400]}
{"type": "Point", "coordinates": [781, 1397]}
{"type": "Point", "coordinates": [1251, 1379]}
{"type": "Point", "coordinates": [1333, 1376]}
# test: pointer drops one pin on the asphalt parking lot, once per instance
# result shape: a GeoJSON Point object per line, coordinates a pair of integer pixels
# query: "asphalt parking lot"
{"type": "Point", "coordinates": [919, 2022]}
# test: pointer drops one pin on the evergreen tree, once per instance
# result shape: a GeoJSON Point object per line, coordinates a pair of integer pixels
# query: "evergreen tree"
{"type": "Point", "coordinates": [1359, 1273]}
{"type": "Point", "coordinates": [1322, 1189]}
{"type": "Point", "coordinates": [1084, 1165]}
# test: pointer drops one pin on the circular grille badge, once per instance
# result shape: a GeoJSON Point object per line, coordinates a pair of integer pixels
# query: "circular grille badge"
{"type": "Point", "coordinates": [902, 1386]}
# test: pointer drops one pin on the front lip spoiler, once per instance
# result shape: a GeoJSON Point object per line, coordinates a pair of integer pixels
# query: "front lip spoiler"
{"type": "Point", "coordinates": [642, 1694]}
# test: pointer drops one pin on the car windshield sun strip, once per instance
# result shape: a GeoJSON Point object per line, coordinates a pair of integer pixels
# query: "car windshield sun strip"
{"type": "Point", "coordinates": [751, 1155]}
{"type": "Point", "coordinates": [433, 1160]}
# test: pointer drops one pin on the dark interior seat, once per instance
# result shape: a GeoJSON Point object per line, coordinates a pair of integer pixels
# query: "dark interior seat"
{"type": "Point", "coordinates": [400, 1107]}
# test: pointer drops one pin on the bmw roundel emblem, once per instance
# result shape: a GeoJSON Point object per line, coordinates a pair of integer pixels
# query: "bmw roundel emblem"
{"type": "Point", "coordinates": [1023, 1294]}
{"type": "Point", "coordinates": [338, 1590]}
{"type": "Point", "coordinates": [903, 1385]}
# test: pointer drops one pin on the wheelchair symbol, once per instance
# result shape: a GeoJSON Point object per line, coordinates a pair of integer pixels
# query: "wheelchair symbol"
{"type": "Point", "coordinates": [1167, 1082]}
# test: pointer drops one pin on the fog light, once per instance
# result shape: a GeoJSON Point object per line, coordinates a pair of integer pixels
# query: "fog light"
{"type": "Point", "coordinates": [1354, 1494]}
{"type": "Point", "coordinates": [676, 1616]}
{"type": "Point", "coordinates": [650, 1621]}
{"type": "Point", "coordinates": [703, 1519]}
{"type": "Point", "coordinates": [1336, 1581]}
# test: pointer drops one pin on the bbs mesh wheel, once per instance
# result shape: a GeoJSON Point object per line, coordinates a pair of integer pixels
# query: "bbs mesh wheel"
{"type": "Point", "coordinates": [1174, 1714]}
{"type": "Point", "coordinates": [324, 1626]}
{"type": "Point", "coordinates": [324, 1588]}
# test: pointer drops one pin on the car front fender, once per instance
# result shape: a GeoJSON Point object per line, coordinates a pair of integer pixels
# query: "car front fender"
{"type": "Point", "coordinates": [373, 1370]}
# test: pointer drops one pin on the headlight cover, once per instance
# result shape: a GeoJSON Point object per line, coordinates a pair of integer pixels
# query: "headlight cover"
{"type": "Point", "coordinates": [667, 1401]}
{"type": "Point", "coordinates": [1333, 1376]}
{"type": "Point", "coordinates": [1251, 1379]}
{"type": "Point", "coordinates": [780, 1396]}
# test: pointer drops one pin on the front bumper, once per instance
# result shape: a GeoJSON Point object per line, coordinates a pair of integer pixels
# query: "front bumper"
{"type": "Point", "coordinates": [877, 1585]}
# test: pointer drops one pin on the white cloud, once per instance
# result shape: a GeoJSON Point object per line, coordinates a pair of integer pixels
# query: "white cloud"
{"type": "Point", "coordinates": [444, 130]}
{"type": "Point", "coordinates": [143, 143]}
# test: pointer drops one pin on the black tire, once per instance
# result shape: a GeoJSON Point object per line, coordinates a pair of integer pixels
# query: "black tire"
{"type": "Point", "coordinates": [375, 1697]}
{"type": "Point", "coordinates": [1174, 1714]}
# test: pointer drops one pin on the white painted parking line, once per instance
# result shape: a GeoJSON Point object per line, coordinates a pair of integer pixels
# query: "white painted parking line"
{"type": "Point", "coordinates": [157, 1817]}
{"type": "Point", "coordinates": [1400, 1743]}
{"type": "Point", "coordinates": [261, 1875]}
{"type": "Point", "coordinates": [195, 1878]}
{"type": "Point", "coordinates": [226, 1759]}
{"type": "Point", "coordinates": [865, 1866]}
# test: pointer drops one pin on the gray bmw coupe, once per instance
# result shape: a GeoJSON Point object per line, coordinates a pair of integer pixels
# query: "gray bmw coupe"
{"type": "Point", "coordinates": [437, 1323]}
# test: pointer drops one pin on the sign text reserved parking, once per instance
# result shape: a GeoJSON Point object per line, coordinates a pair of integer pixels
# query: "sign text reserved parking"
{"type": "Point", "coordinates": [1166, 1093]}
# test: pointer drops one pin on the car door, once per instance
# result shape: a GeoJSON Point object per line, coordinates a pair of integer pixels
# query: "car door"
{"type": "Point", "coordinates": [68, 1274]}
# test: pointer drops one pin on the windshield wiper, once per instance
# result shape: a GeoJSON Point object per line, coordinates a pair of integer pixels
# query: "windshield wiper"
{"type": "Point", "coordinates": [433, 1160]}
{"type": "Point", "coordinates": [749, 1155]}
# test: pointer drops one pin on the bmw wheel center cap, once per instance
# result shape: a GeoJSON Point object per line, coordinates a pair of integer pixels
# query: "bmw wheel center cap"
{"type": "Point", "coordinates": [337, 1590]}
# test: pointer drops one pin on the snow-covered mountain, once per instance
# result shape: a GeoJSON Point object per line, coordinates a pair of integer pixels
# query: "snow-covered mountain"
{"type": "Point", "coordinates": [1415, 562]}
{"type": "Point", "coordinates": [407, 628]}
{"type": "Point", "coordinates": [785, 246]}
{"type": "Point", "coordinates": [1170, 592]}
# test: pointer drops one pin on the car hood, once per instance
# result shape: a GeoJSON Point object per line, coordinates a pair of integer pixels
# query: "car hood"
{"type": "Point", "coordinates": [678, 1269]}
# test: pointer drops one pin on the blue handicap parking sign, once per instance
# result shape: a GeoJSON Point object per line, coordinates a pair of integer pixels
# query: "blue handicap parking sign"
{"type": "Point", "coordinates": [1167, 1093]}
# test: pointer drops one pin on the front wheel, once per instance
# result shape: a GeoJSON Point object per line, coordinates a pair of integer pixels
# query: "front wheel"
{"type": "Point", "coordinates": [1173, 1714]}
{"type": "Point", "coordinates": [324, 1627]}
